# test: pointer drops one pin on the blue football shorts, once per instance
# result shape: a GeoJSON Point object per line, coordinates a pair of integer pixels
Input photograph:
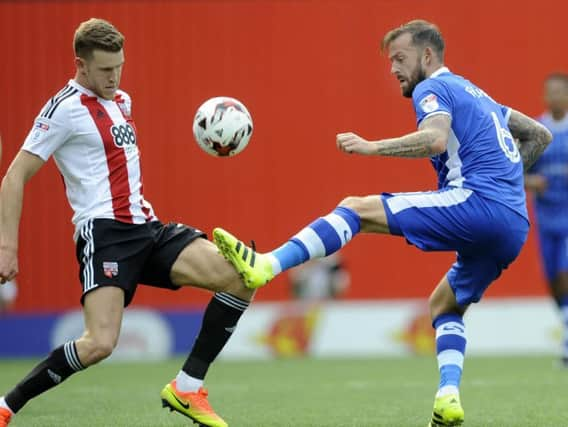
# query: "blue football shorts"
{"type": "Point", "coordinates": [486, 235]}
{"type": "Point", "coordinates": [554, 253]}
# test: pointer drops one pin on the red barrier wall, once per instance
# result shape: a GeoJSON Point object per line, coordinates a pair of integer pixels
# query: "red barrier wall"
{"type": "Point", "coordinates": [306, 70]}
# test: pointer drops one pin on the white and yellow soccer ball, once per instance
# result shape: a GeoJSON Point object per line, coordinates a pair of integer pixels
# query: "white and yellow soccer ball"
{"type": "Point", "coordinates": [222, 126]}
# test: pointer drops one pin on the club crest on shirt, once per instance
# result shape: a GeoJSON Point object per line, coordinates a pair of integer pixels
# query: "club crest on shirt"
{"type": "Point", "coordinates": [110, 269]}
{"type": "Point", "coordinates": [122, 105]}
{"type": "Point", "coordinates": [124, 108]}
{"type": "Point", "coordinates": [429, 103]}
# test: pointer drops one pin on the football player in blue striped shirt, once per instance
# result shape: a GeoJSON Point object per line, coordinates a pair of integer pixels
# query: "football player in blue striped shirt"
{"type": "Point", "coordinates": [478, 148]}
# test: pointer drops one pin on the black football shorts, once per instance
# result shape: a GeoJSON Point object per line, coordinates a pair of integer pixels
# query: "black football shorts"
{"type": "Point", "coordinates": [114, 253]}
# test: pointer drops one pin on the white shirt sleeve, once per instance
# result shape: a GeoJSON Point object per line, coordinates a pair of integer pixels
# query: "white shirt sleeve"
{"type": "Point", "coordinates": [48, 134]}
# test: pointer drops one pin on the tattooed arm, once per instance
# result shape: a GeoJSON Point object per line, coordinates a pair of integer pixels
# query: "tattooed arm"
{"type": "Point", "coordinates": [431, 138]}
{"type": "Point", "coordinates": [532, 137]}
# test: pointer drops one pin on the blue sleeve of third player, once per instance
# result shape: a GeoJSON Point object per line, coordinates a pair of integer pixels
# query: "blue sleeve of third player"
{"type": "Point", "coordinates": [431, 97]}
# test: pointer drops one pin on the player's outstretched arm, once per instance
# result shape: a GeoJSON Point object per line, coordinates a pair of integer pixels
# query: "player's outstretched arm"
{"type": "Point", "coordinates": [532, 137]}
{"type": "Point", "coordinates": [429, 140]}
{"type": "Point", "coordinates": [24, 166]}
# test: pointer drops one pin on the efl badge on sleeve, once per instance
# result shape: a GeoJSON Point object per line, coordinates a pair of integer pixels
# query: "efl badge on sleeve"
{"type": "Point", "coordinates": [39, 131]}
{"type": "Point", "coordinates": [110, 269]}
{"type": "Point", "coordinates": [429, 103]}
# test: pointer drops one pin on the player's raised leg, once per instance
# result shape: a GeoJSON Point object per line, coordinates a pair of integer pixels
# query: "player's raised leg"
{"type": "Point", "coordinates": [199, 264]}
{"type": "Point", "coordinates": [322, 237]}
{"type": "Point", "coordinates": [103, 314]}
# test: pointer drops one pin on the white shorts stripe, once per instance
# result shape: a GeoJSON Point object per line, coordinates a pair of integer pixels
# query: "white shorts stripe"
{"type": "Point", "coordinates": [450, 357]}
{"type": "Point", "coordinates": [340, 226]}
{"type": "Point", "coordinates": [88, 257]}
{"type": "Point", "coordinates": [88, 251]}
{"type": "Point", "coordinates": [431, 199]}
{"type": "Point", "coordinates": [312, 242]}
{"type": "Point", "coordinates": [85, 255]}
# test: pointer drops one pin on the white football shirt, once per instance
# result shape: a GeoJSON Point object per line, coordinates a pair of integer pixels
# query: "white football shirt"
{"type": "Point", "coordinates": [93, 143]}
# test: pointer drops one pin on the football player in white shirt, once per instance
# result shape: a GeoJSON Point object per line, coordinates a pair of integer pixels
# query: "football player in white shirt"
{"type": "Point", "coordinates": [88, 129]}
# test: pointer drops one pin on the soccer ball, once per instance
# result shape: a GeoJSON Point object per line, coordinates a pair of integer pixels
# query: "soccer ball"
{"type": "Point", "coordinates": [222, 126]}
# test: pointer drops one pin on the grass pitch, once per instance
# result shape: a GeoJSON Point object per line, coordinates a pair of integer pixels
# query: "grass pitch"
{"type": "Point", "coordinates": [528, 391]}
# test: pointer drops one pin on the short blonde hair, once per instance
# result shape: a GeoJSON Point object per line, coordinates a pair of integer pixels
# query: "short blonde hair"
{"type": "Point", "coordinates": [94, 34]}
{"type": "Point", "coordinates": [423, 34]}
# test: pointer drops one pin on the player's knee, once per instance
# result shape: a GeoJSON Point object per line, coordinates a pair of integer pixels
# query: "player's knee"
{"type": "Point", "coordinates": [101, 351]}
{"type": "Point", "coordinates": [371, 212]}
{"type": "Point", "coordinates": [352, 202]}
{"type": "Point", "coordinates": [440, 303]}
{"type": "Point", "coordinates": [96, 350]}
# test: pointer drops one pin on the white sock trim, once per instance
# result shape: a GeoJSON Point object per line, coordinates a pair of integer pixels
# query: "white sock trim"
{"type": "Point", "coordinates": [451, 328]}
{"type": "Point", "coordinates": [72, 356]}
{"type": "Point", "coordinates": [276, 267]}
{"type": "Point", "coordinates": [340, 226]}
{"type": "Point", "coordinates": [3, 404]}
{"type": "Point", "coordinates": [450, 357]}
{"type": "Point", "coordinates": [312, 242]}
{"type": "Point", "coordinates": [186, 383]}
{"type": "Point", "coordinates": [231, 301]}
{"type": "Point", "coordinates": [448, 389]}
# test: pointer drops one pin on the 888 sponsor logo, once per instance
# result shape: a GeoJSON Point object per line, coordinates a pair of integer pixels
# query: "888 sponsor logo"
{"type": "Point", "coordinates": [123, 135]}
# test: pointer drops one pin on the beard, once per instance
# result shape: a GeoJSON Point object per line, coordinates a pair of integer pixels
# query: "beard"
{"type": "Point", "coordinates": [417, 76]}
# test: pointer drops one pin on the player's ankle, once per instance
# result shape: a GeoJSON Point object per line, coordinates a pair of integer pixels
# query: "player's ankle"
{"type": "Point", "coordinates": [4, 404]}
{"type": "Point", "coordinates": [186, 383]}
{"type": "Point", "coordinates": [447, 389]}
